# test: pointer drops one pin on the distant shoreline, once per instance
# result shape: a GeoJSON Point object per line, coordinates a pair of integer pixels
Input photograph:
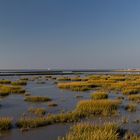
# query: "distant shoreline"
{"type": "Point", "coordinates": [63, 72]}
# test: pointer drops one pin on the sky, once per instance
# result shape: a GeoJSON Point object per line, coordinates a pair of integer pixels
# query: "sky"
{"type": "Point", "coordinates": [69, 34]}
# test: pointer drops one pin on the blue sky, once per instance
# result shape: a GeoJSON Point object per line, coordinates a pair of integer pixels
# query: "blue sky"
{"type": "Point", "coordinates": [73, 34]}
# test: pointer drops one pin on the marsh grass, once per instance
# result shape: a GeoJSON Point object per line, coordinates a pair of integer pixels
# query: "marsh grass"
{"type": "Point", "coordinates": [86, 131]}
{"type": "Point", "coordinates": [37, 99]}
{"type": "Point", "coordinates": [84, 109]}
{"type": "Point", "coordinates": [99, 95]}
{"type": "Point", "coordinates": [130, 107]}
{"type": "Point", "coordinates": [77, 79]}
{"type": "Point", "coordinates": [70, 78]}
{"type": "Point", "coordinates": [98, 107]}
{"type": "Point", "coordinates": [47, 120]}
{"type": "Point", "coordinates": [91, 82]}
{"type": "Point", "coordinates": [120, 98]}
{"type": "Point", "coordinates": [135, 98]}
{"type": "Point", "coordinates": [5, 123]}
{"type": "Point", "coordinates": [90, 107]}
{"type": "Point", "coordinates": [27, 94]}
{"type": "Point", "coordinates": [17, 89]}
{"type": "Point", "coordinates": [6, 90]}
{"type": "Point", "coordinates": [108, 131]}
{"type": "Point", "coordinates": [125, 120]}
{"type": "Point", "coordinates": [19, 83]}
{"type": "Point", "coordinates": [4, 93]}
{"type": "Point", "coordinates": [52, 104]}
{"type": "Point", "coordinates": [131, 136]}
{"type": "Point", "coordinates": [128, 85]}
{"type": "Point", "coordinates": [24, 78]}
{"type": "Point", "coordinates": [5, 81]}
{"type": "Point", "coordinates": [77, 86]}
{"type": "Point", "coordinates": [63, 79]}
{"type": "Point", "coordinates": [130, 91]}
{"type": "Point", "coordinates": [37, 111]}
{"type": "Point", "coordinates": [74, 116]}
{"type": "Point", "coordinates": [48, 76]}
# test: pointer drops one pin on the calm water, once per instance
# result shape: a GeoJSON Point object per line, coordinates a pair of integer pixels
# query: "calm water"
{"type": "Point", "coordinates": [15, 106]}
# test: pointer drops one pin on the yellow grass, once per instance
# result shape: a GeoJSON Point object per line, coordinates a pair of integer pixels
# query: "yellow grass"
{"type": "Point", "coordinates": [98, 107]}
{"type": "Point", "coordinates": [86, 131]}
{"type": "Point", "coordinates": [5, 123]}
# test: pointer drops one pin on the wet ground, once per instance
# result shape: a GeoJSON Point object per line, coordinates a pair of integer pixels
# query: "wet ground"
{"type": "Point", "coordinates": [14, 106]}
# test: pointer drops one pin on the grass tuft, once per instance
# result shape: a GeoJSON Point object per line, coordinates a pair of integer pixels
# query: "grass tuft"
{"type": "Point", "coordinates": [37, 111]}
{"type": "Point", "coordinates": [5, 123]}
{"type": "Point", "coordinates": [36, 99]}
{"type": "Point", "coordinates": [98, 107]}
{"type": "Point", "coordinates": [130, 107]}
{"type": "Point", "coordinates": [86, 131]}
{"type": "Point", "coordinates": [135, 98]}
{"type": "Point", "coordinates": [20, 83]}
{"type": "Point", "coordinates": [99, 95]}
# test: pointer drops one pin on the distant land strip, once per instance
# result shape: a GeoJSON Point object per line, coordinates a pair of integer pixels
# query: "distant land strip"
{"type": "Point", "coordinates": [64, 72]}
